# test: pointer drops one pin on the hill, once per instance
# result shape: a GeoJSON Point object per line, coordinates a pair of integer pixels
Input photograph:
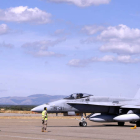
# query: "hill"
{"type": "Point", "coordinates": [35, 99]}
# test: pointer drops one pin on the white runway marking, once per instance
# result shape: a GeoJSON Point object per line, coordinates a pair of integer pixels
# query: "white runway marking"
{"type": "Point", "coordinates": [25, 137]}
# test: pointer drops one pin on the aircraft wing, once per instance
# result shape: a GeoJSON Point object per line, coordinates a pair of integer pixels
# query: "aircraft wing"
{"type": "Point", "coordinates": [96, 103]}
{"type": "Point", "coordinates": [106, 104]}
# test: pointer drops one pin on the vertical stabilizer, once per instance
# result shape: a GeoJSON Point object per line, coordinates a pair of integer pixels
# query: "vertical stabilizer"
{"type": "Point", "coordinates": [137, 96]}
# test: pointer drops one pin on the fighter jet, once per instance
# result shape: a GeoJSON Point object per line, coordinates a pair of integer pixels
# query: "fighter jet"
{"type": "Point", "coordinates": [101, 109]}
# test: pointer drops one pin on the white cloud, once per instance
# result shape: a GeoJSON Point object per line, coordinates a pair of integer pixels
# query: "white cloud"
{"type": "Point", "coordinates": [106, 58]}
{"type": "Point", "coordinates": [85, 62]}
{"type": "Point", "coordinates": [43, 44]}
{"type": "Point", "coordinates": [82, 3]}
{"type": "Point", "coordinates": [92, 29]}
{"type": "Point", "coordinates": [120, 39]}
{"type": "Point", "coordinates": [59, 31]}
{"type": "Point", "coordinates": [24, 14]}
{"type": "Point", "coordinates": [121, 48]}
{"type": "Point", "coordinates": [119, 33]}
{"type": "Point", "coordinates": [126, 59]}
{"type": "Point", "coordinates": [40, 48]}
{"type": "Point", "coordinates": [78, 63]}
{"type": "Point", "coordinates": [7, 45]}
{"type": "Point", "coordinates": [47, 53]}
{"type": "Point", "coordinates": [3, 29]}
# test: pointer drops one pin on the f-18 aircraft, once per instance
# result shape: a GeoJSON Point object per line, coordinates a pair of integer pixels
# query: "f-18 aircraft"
{"type": "Point", "coordinates": [101, 109]}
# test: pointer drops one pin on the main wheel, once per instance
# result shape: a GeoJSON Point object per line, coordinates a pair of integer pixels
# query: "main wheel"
{"type": "Point", "coordinates": [121, 123]}
{"type": "Point", "coordinates": [84, 124]}
{"type": "Point", "coordinates": [138, 123]}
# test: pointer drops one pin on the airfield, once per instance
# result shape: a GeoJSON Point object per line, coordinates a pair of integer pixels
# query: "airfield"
{"type": "Point", "coordinates": [15, 126]}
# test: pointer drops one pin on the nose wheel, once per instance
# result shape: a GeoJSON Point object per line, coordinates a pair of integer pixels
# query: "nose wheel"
{"type": "Point", "coordinates": [84, 123]}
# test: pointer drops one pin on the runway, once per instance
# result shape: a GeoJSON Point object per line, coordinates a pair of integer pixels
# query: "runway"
{"type": "Point", "coordinates": [64, 129]}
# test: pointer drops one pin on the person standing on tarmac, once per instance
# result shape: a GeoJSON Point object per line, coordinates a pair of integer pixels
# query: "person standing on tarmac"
{"type": "Point", "coordinates": [44, 119]}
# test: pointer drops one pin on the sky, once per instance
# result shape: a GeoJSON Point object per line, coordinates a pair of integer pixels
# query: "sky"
{"type": "Point", "coordinates": [60, 47]}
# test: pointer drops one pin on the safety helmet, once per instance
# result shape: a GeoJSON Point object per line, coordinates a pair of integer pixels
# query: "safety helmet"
{"type": "Point", "coordinates": [45, 108]}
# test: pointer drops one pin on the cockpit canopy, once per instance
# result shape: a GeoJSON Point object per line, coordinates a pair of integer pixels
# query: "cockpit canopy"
{"type": "Point", "coordinates": [78, 96]}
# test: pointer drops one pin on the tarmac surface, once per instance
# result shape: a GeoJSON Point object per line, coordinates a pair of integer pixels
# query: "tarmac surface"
{"type": "Point", "coordinates": [18, 114]}
{"type": "Point", "coordinates": [64, 129]}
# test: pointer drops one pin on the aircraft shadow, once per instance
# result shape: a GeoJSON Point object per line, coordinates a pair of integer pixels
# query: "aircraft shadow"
{"type": "Point", "coordinates": [106, 125]}
{"type": "Point", "coordinates": [110, 125]}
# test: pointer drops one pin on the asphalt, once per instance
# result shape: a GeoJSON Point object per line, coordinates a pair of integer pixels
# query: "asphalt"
{"type": "Point", "coordinates": [18, 114]}
{"type": "Point", "coordinates": [64, 129]}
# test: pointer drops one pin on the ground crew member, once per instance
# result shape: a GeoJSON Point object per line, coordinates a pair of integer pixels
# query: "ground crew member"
{"type": "Point", "coordinates": [44, 119]}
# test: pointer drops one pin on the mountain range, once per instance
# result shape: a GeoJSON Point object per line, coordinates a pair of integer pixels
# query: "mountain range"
{"type": "Point", "coordinates": [36, 99]}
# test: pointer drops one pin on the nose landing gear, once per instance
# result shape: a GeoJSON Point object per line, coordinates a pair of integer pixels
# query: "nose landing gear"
{"type": "Point", "coordinates": [82, 122]}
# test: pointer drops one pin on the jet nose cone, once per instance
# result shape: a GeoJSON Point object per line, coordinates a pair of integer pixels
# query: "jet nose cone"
{"type": "Point", "coordinates": [39, 108]}
{"type": "Point", "coordinates": [33, 110]}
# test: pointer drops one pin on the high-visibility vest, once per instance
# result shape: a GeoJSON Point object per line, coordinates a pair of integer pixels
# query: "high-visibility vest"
{"type": "Point", "coordinates": [43, 115]}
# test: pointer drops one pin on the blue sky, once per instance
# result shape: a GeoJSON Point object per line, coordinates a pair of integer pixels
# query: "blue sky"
{"type": "Point", "coordinates": [67, 46]}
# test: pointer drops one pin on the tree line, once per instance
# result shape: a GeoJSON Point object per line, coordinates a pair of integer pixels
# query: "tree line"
{"type": "Point", "coordinates": [17, 107]}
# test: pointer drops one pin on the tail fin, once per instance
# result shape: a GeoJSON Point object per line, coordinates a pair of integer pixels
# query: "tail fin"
{"type": "Point", "coordinates": [137, 96]}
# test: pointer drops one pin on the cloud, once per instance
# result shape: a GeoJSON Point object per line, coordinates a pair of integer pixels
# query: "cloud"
{"type": "Point", "coordinates": [119, 33]}
{"type": "Point", "coordinates": [23, 14]}
{"type": "Point", "coordinates": [59, 32]}
{"type": "Point", "coordinates": [78, 63]}
{"type": "Point", "coordinates": [6, 45]}
{"type": "Point", "coordinates": [126, 59]}
{"type": "Point", "coordinates": [92, 29]}
{"type": "Point", "coordinates": [120, 39]}
{"type": "Point", "coordinates": [40, 48]}
{"type": "Point", "coordinates": [3, 29]}
{"type": "Point", "coordinates": [121, 48]}
{"type": "Point", "coordinates": [106, 58]}
{"type": "Point", "coordinates": [42, 53]}
{"type": "Point", "coordinates": [82, 3]}
{"type": "Point", "coordinates": [85, 62]}
{"type": "Point", "coordinates": [42, 45]}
